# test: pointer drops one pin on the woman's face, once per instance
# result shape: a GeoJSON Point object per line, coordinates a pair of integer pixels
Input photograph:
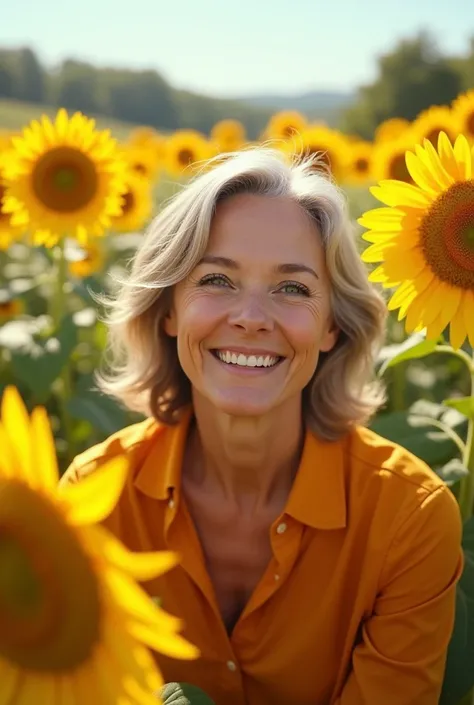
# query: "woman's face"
{"type": "Point", "coordinates": [254, 314]}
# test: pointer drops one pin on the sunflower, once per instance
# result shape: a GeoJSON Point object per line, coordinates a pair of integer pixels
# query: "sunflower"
{"type": "Point", "coordinates": [391, 129]}
{"type": "Point", "coordinates": [229, 135]}
{"type": "Point", "coordinates": [185, 148]}
{"type": "Point", "coordinates": [360, 162]}
{"type": "Point", "coordinates": [8, 232]}
{"type": "Point", "coordinates": [463, 109]}
{"type": "Point", "coordinates": [143, 136]}
{"type": "Point", "coordinates": [438, 118]}
{"type": "Point", "coordinates": [389, 161]}
{"type": "Point", "coordinates": [141, 161]}
{"type": "Point", "coordinates": [424, 239]}
{"type": "Point", "coordinates": [63, 178]}
{"type": "Point", "coordinates": [330, 145]}
{"type": "Point", "coordinates": [285, 124]}
{"type": "Point", "coordinates": [137, 206]}
{"type": "Point", "coordinates": [74, 625]}
{"type": "Point", "coordinates": [89, 261]}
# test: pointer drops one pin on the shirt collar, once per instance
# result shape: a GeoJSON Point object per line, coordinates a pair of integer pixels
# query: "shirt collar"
{"type": "Point", "coordinates": [317, 497]}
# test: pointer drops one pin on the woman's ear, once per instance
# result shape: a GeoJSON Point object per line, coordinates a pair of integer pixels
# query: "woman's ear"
{"type": "Point", "coordinates": [329, 339]}
{"type": "Point", "coordinates": [170, 324]}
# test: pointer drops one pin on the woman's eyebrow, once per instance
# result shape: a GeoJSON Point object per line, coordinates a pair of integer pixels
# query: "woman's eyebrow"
{"type": "Point", "coordinates": [289, 268]}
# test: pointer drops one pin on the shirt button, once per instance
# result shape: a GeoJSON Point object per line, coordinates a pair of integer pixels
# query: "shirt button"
{"type": "Point", "coordinates": [171, 504]}
{"type": "Point", "coordinates": [231, 666]}
{"type": "Point", "coordinates": [276, 576]}
{"type": "Point", "coordinates": [281, 528]}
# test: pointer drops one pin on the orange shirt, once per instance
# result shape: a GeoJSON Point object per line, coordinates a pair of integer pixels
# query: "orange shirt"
{"type": "Point", "coordinates": [356, 606]}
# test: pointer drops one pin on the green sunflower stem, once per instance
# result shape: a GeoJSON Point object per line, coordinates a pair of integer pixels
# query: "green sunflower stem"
{"type": "Point", "coordinates": [466, 492]}
{"type": "Point", "coordinates": [59, 309]}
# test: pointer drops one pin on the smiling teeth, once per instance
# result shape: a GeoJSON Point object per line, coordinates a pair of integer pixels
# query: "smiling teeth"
{"type": "Point", "coordinates": [247, 360]}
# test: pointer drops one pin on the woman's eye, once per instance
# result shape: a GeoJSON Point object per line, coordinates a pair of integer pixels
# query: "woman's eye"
{"type": "Point", "coordinates": [294, 288]}
{"type": "Point", "coordinates": [214, 280]}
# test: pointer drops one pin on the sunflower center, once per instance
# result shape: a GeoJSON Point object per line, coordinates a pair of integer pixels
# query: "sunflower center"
{"type": "Point", "coordinates": [362, 165]}
{"type": "Point", "coordinates": [322, 152]}
{"type": "Point", "coordinates": [64, 179]}
{"type": "Point", "coordinates": [470, 124]}
{"type": "Point", "coordinates": [49, 594]}
{"type": "Point", "coordinates": [447, 235]}
{"type": "Point", "coordinates": [4, 217]}
{"type": "Point", "coordinates": [128, 202]}
{"type": "Point", "coordinates": [185, 156]}
{"type": "Point", "coordinates": [140, 168]}
{"type": "Point", "coordinates": [398, 169]}
{"type": "Point", "coordinates": [289, 130]}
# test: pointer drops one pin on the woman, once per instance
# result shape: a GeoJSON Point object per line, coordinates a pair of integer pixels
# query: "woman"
{"type": "Point", "coordinates": [318, 560]}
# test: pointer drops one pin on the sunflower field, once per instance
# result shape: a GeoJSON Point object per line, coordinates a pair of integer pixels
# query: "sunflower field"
{"type": "Point", "coordinates": [74, 200]}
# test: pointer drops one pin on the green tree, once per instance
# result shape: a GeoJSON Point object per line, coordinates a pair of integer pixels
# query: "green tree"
{"type": "Point", "coordinates": [31, 77]}
{"type": "Point", "coordinates": [76, 87]}
{"type": "Point", "coordinates": [7, 77]}
{"type": "Point", "coordinates": [410, 79]}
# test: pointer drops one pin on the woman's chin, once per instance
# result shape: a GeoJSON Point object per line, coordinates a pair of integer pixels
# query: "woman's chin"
{"type": "Point", "coordinates": [241, 402]}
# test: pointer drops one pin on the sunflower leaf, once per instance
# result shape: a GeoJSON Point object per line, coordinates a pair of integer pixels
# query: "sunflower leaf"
{"type": "Point", "coordinates": [465, 405]}
{"type": "Point", "coordinates": [452, 471]}
{"type": "Point", "coordinates": [412, 348]}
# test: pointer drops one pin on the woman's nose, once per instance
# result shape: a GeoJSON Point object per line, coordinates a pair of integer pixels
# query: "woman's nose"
{"type": "Point", "coordinates": [251, 314]}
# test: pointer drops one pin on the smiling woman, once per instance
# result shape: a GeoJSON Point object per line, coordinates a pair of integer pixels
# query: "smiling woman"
{"type": "Point", "coordinates": [318, 560]}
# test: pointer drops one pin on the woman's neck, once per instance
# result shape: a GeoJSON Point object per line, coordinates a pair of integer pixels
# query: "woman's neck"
{"type": "Point", "coordinates": [246, 462]}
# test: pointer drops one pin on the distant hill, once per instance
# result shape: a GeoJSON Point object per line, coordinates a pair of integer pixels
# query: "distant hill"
{"type": "Point", "coordinates": [323, 105]}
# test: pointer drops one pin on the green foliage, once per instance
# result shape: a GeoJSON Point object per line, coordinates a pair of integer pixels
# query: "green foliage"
{"type": "Point", "coordinates": [411, 78]}
{"type": "Point", "coordinates": [183, 694]}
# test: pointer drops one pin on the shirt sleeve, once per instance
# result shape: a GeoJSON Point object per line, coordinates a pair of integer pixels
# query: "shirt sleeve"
{"type": "Point", "coordinates": [401, 656]}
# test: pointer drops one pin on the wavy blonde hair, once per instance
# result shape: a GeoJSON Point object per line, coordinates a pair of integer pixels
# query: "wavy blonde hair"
{"type": "Point", "coordinates": [143, 369]}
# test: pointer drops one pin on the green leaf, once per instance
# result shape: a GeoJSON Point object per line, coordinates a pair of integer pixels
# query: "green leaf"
{"type": "Point", "coordinates": [40, 363]}
{"type": "Point", "coordinates": [414, 347]}
{"type": "Point", "coordinates": [459, 674]}
{"type": "Point", "coordinates": [414, 431]}
{"type": "Point", "coordinates": [195, 695]}
{"type": "Point", "coordinates": [465, 405]}
{"type": "Point", "coordinates": [184, 694]}
{"type": "Point", "coordinates": [102, 412]}
{"type": "Point", "coordinates": [452, 472]}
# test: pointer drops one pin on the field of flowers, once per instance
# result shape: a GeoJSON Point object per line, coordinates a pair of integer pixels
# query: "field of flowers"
{"type": "Point", "coordinates": [73, 202]}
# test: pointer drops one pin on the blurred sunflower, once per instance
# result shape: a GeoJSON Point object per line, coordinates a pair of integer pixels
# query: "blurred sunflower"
{"type": "Point", "coordinates": [425, 240]}
{"type": "Point", "coordinates": [8, 232]}
{"type": "Point", "coordinates": [430, 122]}
{"type": "Point", "coordinates": [329, 145]}
{"type": "Point", "coordinates": [10, 308]}
{"type": "Point", "coordinates": [388, 159]}
{"type": "Point", "coordinates": [137, 206]}
{"type": "Point", "coordinates": [391, 129]}
{"type": "Point", "coordinates": [229, 135]}
{"type": "Point", "coordinates": [75, 625]}
{"type": "Point", "coordinates": [89, 262]}
{"type": "Point", "coordinates": [185, 148]}
{"type": "Point", "coordinates": [142, 161]}
{"type": "Point", "coordinates": [143, 136]}
{"type": "Point", "coordinates": [360, 156]}
{"type": "Point", "coordinates": [63, 178]}
{"type": "Point", "coordinates": [463, 109]}
{"type": "Point", "coordinates": [285, 124]}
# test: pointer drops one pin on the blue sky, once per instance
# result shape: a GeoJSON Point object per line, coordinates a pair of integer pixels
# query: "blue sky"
{"type": "Point", "coordinates": [224, 47]}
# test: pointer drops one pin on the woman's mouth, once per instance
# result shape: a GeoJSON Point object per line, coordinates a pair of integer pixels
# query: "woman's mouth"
{"type": "Point", "coordinates": [229, 357]}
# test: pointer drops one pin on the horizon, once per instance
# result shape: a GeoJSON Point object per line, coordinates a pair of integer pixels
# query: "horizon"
{"type": "Point", "coordinates": [268, 55]}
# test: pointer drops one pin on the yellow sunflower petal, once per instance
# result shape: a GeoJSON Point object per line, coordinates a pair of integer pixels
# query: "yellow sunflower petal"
{"type": "Point", "coordinates": [457, 329]}
{"type": "Point", "coordinates": [421, 175]}
{"type": "Point", "coordinates": [140, 566]}
{"type": "Point", "coordinates": [9, 464]}
{"type": "Point", "coordinates": [9, 682]}
{"type": "Point", "coordinates": [37, 688]}
{"type": "Point", "coordinates": [165, 643]}
{"type": "Point", "coordinates": [66, 694]}
{"type": "Point", "coordinates": [17, 425]}
{"type": "Point", "coordinates": [108, 676]}
{"type": "Point", "coordinates": [136, 603]}
{"type": "Point", "coordinates": [447, 300]}
{"type": "Point", "coordinates": [377, 216]}
{"type": "Point", "coordinates": [447, 157]}
{"type": "Point", "coordinates": [92, 499]}
{"type": "Point", "coordinates": [407, 266]}
{"type": "Point", "coordinates": [398, 193]}
{"type": "Point", "coordinates": [132, 658]}
{"type": "Point", "coordinates": [44, 450]}
{"type": "Point", "coordinates": [463, 154]}
{"type": "Point", "coordinates": [422, 310]}
{"type": "Point", "coordinates": [430, 157]}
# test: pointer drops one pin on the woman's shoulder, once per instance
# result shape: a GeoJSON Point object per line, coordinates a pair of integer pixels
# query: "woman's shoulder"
{"type": "Point", "coordinates": [133, 441]}
{"type": "Point", "coordinates": [375, 455]}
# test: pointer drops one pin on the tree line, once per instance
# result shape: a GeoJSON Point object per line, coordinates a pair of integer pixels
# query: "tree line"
{"type": "Point", "coordinates": [142, 97]}
{"type": "Point", "coordinates": [411, 77]}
